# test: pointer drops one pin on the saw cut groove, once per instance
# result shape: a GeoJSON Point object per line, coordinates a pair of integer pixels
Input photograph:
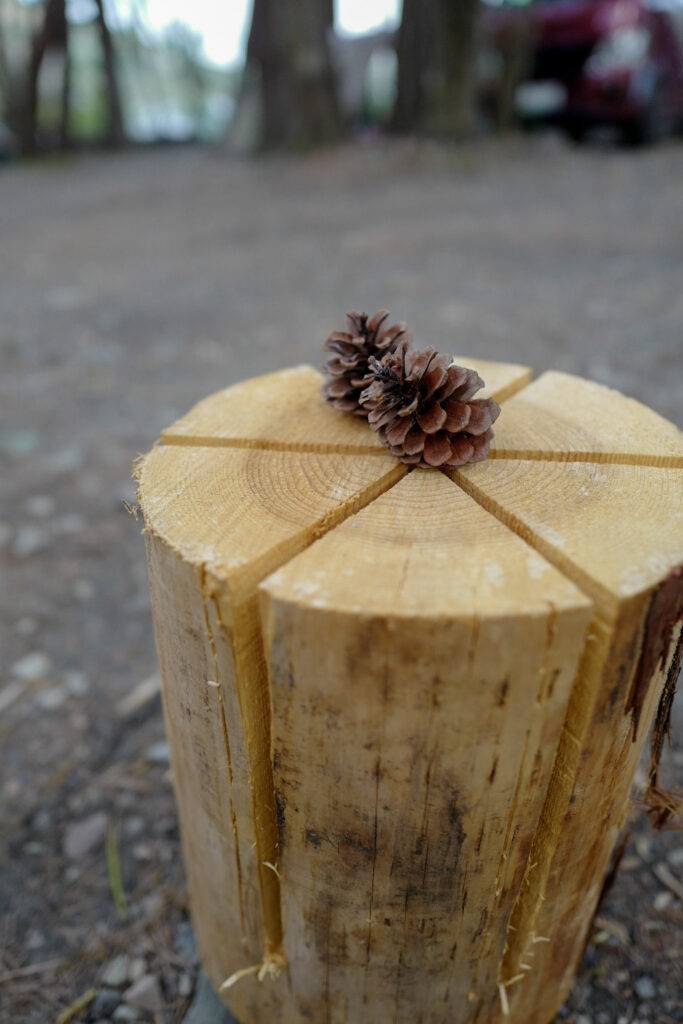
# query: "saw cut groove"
{"type": "Point", "coordinates": [284, 411]}
{"type": "Point", "coordinates": [191, 441]}
{"type": "Point", "coordinates": [663, 461]}
{"type": "Point", "coordinates": [613, 458]}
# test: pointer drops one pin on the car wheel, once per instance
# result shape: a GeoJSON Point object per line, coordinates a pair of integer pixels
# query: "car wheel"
{"type": "Point", "coordinates": [575, 130]}
{"type": "Point", "coordinates": [651, 125]}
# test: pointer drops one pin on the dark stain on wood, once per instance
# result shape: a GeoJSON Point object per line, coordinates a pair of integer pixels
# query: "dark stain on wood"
{"type": "Point", "coordinates": [280, 805]}
{"type": "Point", "coordinates": [483, 918]}
{"type": "Point", "coordinates": [492, 773]}
{"type": "Point", "coordinates": [456, 815]}
{"type": "Point", "coordinates": [313, 838]}
{"type": "Point", "coordinates": [664, 613]}
{"type": "Point", "coordinates": [661, 803]}
{"type": "Point", "coordinates": [551, 682]}
{"type": "Point", "coordinates": [352, 842]}
{"type": "Point", "coordinates": [503, 692]}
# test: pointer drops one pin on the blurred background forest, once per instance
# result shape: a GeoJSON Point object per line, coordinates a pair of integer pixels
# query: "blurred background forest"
{"type": "Point", "coordinates": [77, 73]}
{"type": "Point", "coordinates": [81, 73]}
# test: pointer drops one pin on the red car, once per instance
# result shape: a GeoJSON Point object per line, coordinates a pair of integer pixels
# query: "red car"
{"type": "Point", "coordinates": [590, 62]}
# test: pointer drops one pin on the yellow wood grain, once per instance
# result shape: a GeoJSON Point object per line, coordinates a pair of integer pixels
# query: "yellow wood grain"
{"type": "Point", "coordinates": [562, 416]}
{"type": "Point", "coordinates": [283, 410]}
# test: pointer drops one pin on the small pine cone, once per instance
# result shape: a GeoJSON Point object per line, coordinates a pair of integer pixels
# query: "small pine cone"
{"type": "Point", "coordinates": [422, 408]}
{"type": "Point", "coordinates": [348, 367]}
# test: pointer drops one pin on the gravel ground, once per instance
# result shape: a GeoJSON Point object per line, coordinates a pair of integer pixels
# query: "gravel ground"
{"type": "Point", "coordinates": [130, 287]}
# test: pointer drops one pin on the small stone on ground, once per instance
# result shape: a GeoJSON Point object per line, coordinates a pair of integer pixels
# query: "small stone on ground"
{"type": "Point", "coordinates": [207, 1007]}
{"type": "Point", "coordinates": [644, 987]}
{"type": "Point", "coordinates": [81, 837]}
{"type": "Point", "coordinates": [115, 974]}
{"type": "Point", "coordinates": [145, 993]}
{"type": "Point", "coordinates": [32, 667]}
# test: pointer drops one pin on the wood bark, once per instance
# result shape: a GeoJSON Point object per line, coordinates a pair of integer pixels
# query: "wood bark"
{"type": "Point", "coordinates": [415, 47]}
{"type": "Point", "coordinates": [289, 68]}
{"type": "Point", "coordinates": [116, 135]}
{"type": "Point", "coordinates": [53, 34]}
{"type": "Point", "coordinates": [436, 62]}
{"type": "Point", "coordinates": [516, 47]}
{"type": "Point", "coordinates": [405, 708]}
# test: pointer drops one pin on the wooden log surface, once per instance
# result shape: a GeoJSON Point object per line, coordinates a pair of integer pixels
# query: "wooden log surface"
{"type": "Point", "coordinates": [405, 709]}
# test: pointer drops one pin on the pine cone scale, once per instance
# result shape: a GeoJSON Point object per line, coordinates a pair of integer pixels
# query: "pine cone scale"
{"type": "Point", "coordinates": [457, 415]}
{"type": "Point", "coordinates": [432, 418]}
{"type": "Point", "coordinates": [420, 404]}
{"type": "Point", "coordinates": [415, 441]}
{"type": "Point", "coordinates": [437, 449]}
{"type": "Point", "coordinates": [367, 338]}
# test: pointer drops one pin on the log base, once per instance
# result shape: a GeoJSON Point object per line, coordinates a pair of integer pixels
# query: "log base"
{"type": "Point", "coordinates": [405, 708]}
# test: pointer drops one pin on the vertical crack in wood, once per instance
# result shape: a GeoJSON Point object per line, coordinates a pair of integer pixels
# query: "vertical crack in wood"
{"type": "Point", "coordinates": [509, 824]}
{"type": "Point", "coordinates": [378, 771]}
{"type": "Point", "coordinates": [254, 704]}
{"type": "Point", "coordinates": [206, 597]}
{"type": "Point", "coordinates": [328, 1001]}
{"type": "Point", "coordinates": [545, 684]}
{"type": "Point", "coordinates": [239, 598]}
{"type": "Point", "coordinates": [471, 655]}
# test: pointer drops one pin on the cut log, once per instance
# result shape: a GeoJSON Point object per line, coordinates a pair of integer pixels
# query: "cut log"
{"type": "Point", "coordinates": [405, 708]}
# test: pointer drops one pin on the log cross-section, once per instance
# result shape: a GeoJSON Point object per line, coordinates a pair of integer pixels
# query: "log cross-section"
{"type": "Point", "coordinates": [405, 707]}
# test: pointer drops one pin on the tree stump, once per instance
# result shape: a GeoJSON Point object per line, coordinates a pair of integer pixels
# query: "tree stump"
{"type": "Point", "coordinates": [405, 708]}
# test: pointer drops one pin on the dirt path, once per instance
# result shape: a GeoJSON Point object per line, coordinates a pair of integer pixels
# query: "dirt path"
{"type": "Point", "coordinates": [132, 286]}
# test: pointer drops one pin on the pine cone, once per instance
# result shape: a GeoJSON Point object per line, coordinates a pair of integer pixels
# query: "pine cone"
{"type": "Point", "coordinates": [421, 406]}
{"type": "Point", "coordinates": [348, 367]}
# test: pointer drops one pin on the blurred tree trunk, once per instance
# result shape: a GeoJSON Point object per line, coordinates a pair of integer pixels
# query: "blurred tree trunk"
{"type": "Point", "coordinates": [517, 46]}
{"type": "Point", "coordinates": [437, 49]}
{"type": "Point", "coordinates": [53, 34]}
{"type": "Point", "coordinates": [289, 69]}
{"type": "Point", "coordinates": [116, 134]}
{"type": "Point", "coordinates": [66, 102]}
{"type": "Point", "coordinates": [415, 49]}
